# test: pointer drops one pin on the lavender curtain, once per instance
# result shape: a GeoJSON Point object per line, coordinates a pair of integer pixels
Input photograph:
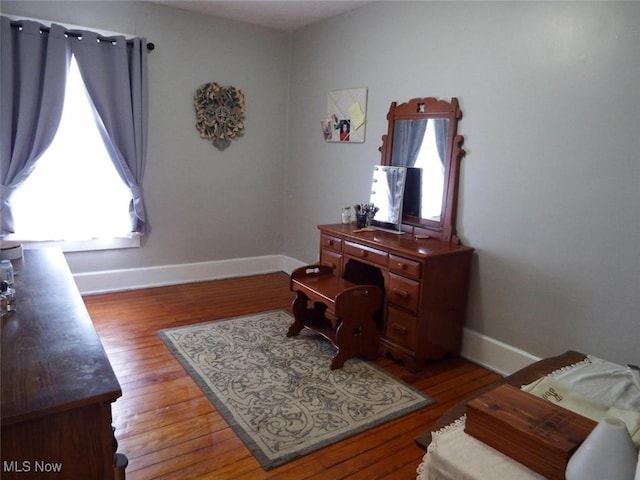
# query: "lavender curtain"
{"type": "Point", "coordinates": [114, 71]}
{"type": "Point", "coordinates": [33, 65]}
{"type": "Point", "coordinates": [407, 140]}
{"type": "Point", "coordinates": [441, 127]}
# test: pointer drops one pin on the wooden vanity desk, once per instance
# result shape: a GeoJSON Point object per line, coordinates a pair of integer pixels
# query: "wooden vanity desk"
{"type": "Point", "coordinates": [425, 286]}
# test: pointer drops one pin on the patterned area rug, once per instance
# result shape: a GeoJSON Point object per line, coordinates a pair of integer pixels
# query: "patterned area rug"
{"type": "Point", "coordinates": [278, 393]}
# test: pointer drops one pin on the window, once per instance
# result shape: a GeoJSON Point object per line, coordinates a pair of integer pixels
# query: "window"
{"type": "Point", "coordinates": [75, 192]}
{"type": "Point", "coordinates": [432, 169]}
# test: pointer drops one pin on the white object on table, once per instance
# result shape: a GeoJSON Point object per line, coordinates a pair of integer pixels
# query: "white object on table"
{"type": "Point", "coordinates": [607, 452]}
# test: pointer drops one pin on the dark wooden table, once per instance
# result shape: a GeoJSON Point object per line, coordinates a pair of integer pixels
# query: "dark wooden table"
{"type": "Point", "coordinates": [57, 382]}
{"type": "Point", "coordinates": [521, 377]}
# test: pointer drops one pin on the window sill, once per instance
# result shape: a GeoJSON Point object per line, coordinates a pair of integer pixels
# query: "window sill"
{"type": "Point", "coordinates": [85, 245]}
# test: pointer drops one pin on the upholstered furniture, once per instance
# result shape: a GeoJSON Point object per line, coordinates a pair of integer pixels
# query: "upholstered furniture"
{"type": "Point", "coordinates": [521, 377]}
{"type": "Point", "coordinates": [575, 386]}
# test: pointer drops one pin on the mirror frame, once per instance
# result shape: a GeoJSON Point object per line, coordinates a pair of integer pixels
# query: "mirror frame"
{"type": "Point", "coordinates": [430, 107]}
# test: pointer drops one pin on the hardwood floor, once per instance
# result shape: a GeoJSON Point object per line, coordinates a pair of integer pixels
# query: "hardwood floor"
{"type": "Point", "coordinates": [169, 430]}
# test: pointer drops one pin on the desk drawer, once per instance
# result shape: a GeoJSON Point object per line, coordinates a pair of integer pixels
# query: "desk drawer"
{"type": "Point", "coordinates": [404, 266]}
{"type": "Point", "coordinates": [332, 259]}
{"type": "Point", "coordinates": [333, 243]}
{"type": "Point", "coordinates": [404, 292]}
{"type": "Point", "coordinates": [369, 254]}
{"type": "Point", "coordinates": [401, 328]}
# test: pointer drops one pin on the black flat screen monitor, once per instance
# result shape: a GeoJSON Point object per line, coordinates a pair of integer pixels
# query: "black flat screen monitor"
{"type": "Point", "coordinates": [412, 192]}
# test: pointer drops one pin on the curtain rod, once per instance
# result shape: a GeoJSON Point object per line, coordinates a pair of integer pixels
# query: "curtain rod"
{"type": "Point", "coordinates": [76, 34]}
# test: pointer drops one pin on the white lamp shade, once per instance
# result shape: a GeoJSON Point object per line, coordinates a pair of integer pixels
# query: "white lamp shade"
{"type": "Point", "coordinates": [607, 453]}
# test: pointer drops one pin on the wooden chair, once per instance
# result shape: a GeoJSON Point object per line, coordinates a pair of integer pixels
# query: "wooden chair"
{"type": "Point", "coordinates": [342, 311]}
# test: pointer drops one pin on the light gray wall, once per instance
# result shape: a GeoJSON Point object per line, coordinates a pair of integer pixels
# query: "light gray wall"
{"type": "Point", "coordinates": [202, 204]}
{"type": "Point", "coordinates": [550, 186]}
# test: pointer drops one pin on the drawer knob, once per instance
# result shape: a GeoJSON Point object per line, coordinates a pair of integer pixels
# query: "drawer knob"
{"type": "Point", "coordinates": [364, 253]}
{"type": "Point", "coordinates": [401, 330]}
{"type": "Point", "coordinates": [400, 293]}
{"type": "Point", "coordinates": [331, 242]}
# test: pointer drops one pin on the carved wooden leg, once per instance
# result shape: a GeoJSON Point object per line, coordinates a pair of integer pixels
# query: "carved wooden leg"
{"type": "Point", "coordinates": [120, 461]}
{"type": "Point", "coordinates": [339, 359]}
{"type": "Point", "coordinates": [300, 312]}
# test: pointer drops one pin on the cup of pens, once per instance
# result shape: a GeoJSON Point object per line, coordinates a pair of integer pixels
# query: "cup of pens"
{"type": "Point", "coordinates": [364, 214]}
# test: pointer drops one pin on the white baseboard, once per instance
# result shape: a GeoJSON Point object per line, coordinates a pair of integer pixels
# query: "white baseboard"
{"type": "Point", "coordinates": [493, 354]}
{"type": "Point", "coordinates": [136, 278]}
{"type": "Point", "coordinates": [476, 347]}
{"type": "Point", "coordinates": [290, 264]}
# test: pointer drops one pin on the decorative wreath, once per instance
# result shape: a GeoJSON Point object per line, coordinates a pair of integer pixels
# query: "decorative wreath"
{"type": "Point", "coordinates": [219, 113]}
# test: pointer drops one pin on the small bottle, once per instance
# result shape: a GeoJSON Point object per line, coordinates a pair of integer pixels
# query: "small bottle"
{"type": "Point", "coordinates": [346, 215]}
{"type": "Point", "coordinates": [6, 271]}
{"type": "Point", "coordinates": [9, 294]}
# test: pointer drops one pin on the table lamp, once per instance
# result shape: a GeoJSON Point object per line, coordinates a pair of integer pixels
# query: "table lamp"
{"type": "Point", "coordinates": [608, 452]}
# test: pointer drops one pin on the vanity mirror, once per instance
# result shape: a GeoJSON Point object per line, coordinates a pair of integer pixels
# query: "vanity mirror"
{"type": "Point", "coordinates": [422, 136]}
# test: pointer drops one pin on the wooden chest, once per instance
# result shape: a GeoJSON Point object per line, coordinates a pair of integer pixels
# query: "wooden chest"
{"type": "Point", "coordinates": [532, 431]}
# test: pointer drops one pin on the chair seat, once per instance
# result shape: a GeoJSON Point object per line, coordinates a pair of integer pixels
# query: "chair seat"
{"type": "Point", "coordinates": [341, 311]}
